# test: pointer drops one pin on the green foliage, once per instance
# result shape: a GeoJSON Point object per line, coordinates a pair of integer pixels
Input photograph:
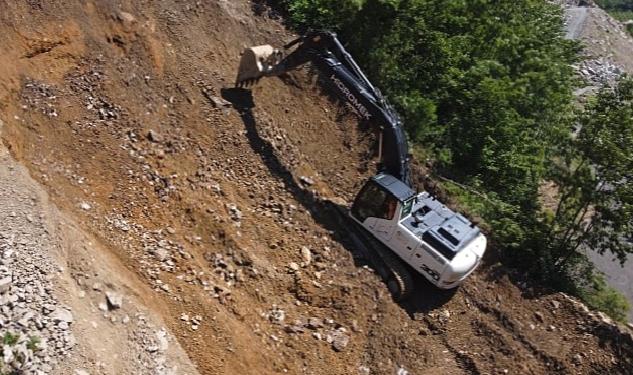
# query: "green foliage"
{"type": "Point", "coordinates": [10, 338]}
{"type": "Point", "coordinates": [595, 210]}
{"type": "Point", "coordinates": [322, 14]}
{"type": "Point", "coordinates": [620, 9]}
{"type": "Point", "coordinates": [484, 85]}
{"type": "Point", "coordinates": [33, 343]}
{"type": "Point", "coordinates": [615, 5]}
{"type": "Point", "coordinates": [598, 295]}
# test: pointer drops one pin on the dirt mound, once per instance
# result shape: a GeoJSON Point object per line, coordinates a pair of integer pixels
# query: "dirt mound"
{"type": "Point", "coordinates": [215, 198]}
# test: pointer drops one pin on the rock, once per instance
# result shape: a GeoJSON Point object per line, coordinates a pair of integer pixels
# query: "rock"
{"type": "Point", "coordinates": [161, 338]}
{"type": "Point", "coordinates": [81, 372]}
{"type": "Point", "coordinates": [5, 284]}
{"type": "Point", "coordinates": [126, 19]}
{"type": "Point", "coordinates": [539, 316]}
{"type": "Point", "coordinates": [234, 212]}
{"type": "Point", "coordinates": [62, 315]}
{"type": "Point", "coordinates": [161, 254]}
{"type": "Point", "coordinates": [306, 180]}
{"type": "Point", "coordinates": [7, 354]}
{"type": "Point", "coordinates": [306, 255]}
{"type": "Point", "coordinates": [555, 304]}
{"type": "Point", "coordinates": [314, 323]}
{"type": "Point", "coordinates": [85, 206]}
{"type": "Point", "coordinates": [630, 325]}
{"type": "Point", "coordinates": [115, 300]}
{"type": "Point", "coordinates": [577, 359]}
{"type": "Point", "coordinates": [277, 315]}
{"type": "Point", "coordinates": [339, 340]}
{"type": "Point", "coordinates": [296, 328]}
{"type": "Point", "coordinates": [293, 266]}
{"type": "Point", "coordinates": [152, 136]}
{"type": "Point", "coordinates": [604, 319]}
{"type": "Point", "coordinates": [217, 101]}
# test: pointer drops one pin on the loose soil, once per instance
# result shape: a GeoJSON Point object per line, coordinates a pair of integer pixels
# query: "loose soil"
{"type": "Point", "coordinates": [199, 191]}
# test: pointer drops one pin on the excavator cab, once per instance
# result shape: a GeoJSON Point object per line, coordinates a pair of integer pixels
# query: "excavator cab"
{"type": "Point", "coordinates": [383, 197]}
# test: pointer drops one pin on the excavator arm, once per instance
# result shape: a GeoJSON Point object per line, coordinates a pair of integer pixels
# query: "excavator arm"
{"type": "Point", "coordinates": [324, 50]}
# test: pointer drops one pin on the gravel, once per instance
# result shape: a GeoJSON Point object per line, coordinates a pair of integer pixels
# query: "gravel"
{"type": "Point", "coordinates": [33, 321]}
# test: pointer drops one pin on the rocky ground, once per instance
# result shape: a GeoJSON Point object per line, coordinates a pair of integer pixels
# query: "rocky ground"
{"type": "Point", "coordinates": [607, 46]}
{"type": "Point", "coordinates": [62, 308]}
{"type": "Point", "coordinates": [179, 225]}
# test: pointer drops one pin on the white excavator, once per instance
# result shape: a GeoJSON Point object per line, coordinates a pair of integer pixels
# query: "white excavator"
{"type": "Point", "coordinates": [387, 215]}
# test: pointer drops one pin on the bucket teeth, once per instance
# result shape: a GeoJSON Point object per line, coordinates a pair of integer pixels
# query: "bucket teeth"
{"type": "Point", "coordinates": [255, 63]}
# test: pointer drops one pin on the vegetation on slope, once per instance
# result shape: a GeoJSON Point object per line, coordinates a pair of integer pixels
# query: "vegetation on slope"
{"type": "Point", "coordinates": [619, 9]}
{"type": "Point", "coordinates": [486, 89]}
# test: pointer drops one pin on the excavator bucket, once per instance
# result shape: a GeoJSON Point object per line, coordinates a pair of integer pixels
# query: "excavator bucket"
{"type": "Point", "coordinates": [256, 62]}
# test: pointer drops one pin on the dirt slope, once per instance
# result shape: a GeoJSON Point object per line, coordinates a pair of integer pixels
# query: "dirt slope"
{"type": "Point", "coordinates": [214, 198]}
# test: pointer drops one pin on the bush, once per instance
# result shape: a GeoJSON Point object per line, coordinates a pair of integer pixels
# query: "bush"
{"type": "Point", "coordinates": [598, 295]}
{"type": "Point", "coordinates": [10, 338]}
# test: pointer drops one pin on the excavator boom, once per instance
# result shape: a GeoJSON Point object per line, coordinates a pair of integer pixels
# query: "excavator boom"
{"type": "Point", "coordinates": [389, 217]}
{"type": "Point", "coordinates": [325, 51]}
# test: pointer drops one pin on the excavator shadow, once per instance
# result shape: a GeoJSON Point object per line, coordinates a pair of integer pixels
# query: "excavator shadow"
{"type": "Point", "coordinates": [425, 296]}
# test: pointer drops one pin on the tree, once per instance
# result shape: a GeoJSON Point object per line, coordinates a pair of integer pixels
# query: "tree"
{"type": "Point", "coordinates": [595, 177]}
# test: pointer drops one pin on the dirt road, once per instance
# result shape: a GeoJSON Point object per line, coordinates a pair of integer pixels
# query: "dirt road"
{"type": "Point", "coordinates": [576, 18]}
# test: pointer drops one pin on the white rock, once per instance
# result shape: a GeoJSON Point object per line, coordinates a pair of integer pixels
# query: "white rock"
{"type": "Point", "coordinates": [293, 266]}
{"type": "Point", "coordinates": [85, 206]}
{"type": "Point", "coordinates": [115, 300]}
{"type": "Point", "coordinates": [5, 284]}
{"type": "Point", "coordinates": [306, 255]}
{"type": "Point", "coordinates": [62, 315]}
{"type": "Point", "coordinates": [161, 337]}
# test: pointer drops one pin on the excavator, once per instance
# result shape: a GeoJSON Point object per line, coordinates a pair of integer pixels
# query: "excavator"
{"type": "Point", "coordinates": [408, 231]}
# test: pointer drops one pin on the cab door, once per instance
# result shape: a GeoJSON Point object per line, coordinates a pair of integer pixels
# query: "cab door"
{"type": "Point", "coordinates": [375, 208]}
{"type": "Point", "coordinates": [386, 224]}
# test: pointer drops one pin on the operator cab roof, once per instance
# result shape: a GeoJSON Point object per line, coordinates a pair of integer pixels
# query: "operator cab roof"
{"type": "Point", "coordinates": [396, 187]}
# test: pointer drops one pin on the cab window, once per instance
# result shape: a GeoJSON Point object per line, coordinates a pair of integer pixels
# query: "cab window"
{"type": "Point", "coordinates": [373, 201]}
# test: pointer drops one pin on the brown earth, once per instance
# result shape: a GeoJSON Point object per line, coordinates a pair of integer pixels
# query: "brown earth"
{"type": "Point", "coordinates": [119, 104]}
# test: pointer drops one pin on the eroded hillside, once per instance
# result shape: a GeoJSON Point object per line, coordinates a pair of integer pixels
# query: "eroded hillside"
{"type": "Point", "coordinates": [213, 202]}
